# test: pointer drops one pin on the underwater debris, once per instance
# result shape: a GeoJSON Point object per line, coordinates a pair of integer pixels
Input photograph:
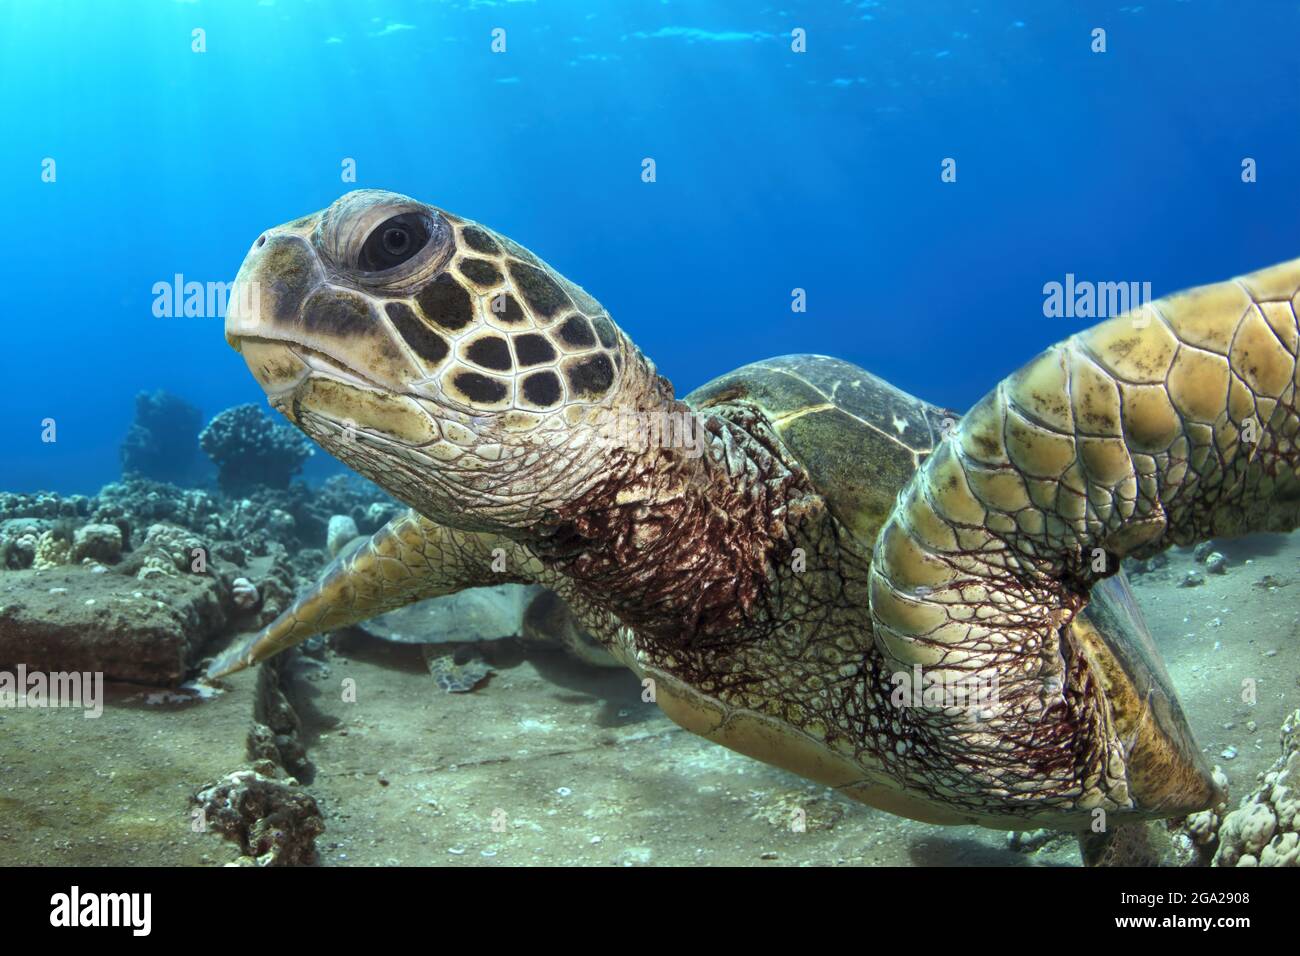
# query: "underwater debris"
{"type": "Point", "coordinates": [801, 811]}
{"type": "Point", "coordinates": [274, 821]}
{"type": "Point", "coordinates": [252, 451]}
{"type": "Point", "coordinates": [162, 442]}
{"type": "Point", "coordinates": [275, 736]}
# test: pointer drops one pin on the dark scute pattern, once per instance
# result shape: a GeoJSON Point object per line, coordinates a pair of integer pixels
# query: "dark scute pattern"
{"type": "Point", "coordinates": [605, 330]}
{"type": "Point", "coordinates": [539, 290]}
{"type": "Point", "coordinates": [592, 376]}
{"type": "Point", "coordinates": [576, 331]}
{"type": "Point", "coordinates": [332, 312]}
{"type": "Point", "coordinates": [480, 388]}
{"type": "Point", "coordinates": [490, 353]}
{"type": "Point", "coordinates": [543, 389]}
{"type": "Point", "coordinates": [480, 272]}
{"type": "Point", "coordinates": [533, 349]}
{"type": "Point", "coordinates": [428, 344]}
{"type": "Point", "coordinates": [478, 240]}
{"type": "Point", "coordinates": [445, 301]}
{"type": "Point", "coordinates": [505, 308]}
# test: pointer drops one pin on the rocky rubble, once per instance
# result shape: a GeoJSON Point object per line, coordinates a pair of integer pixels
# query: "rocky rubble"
{"type": "Point", "coordinates": [1264, 830]}
{"type": "Point", "coordinates": [135, 580]}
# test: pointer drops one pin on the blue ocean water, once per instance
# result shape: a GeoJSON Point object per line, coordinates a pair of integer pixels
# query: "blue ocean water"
{"type": "Point", "coordinates": [775, 170]}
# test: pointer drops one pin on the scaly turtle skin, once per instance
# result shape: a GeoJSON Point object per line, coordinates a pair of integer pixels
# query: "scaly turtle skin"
{"type": "Point", "coordinates": [820, 538]}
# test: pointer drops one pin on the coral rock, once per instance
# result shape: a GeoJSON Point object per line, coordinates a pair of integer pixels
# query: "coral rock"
{"type": "Point", "coordinates": [1264, 830]}
{"type": "Point", "coordinates": [99, 542]}
{"type": "Point", "coordinates": [244, 594]}
{"type": "Point", "coordinates": [72, 619]}
{"type": "Point", "coordinates": [52, 550]}
{"type": "Point", "coordinates": [163, 441]}
{"type": "Point", "coordinates": [251, 451]}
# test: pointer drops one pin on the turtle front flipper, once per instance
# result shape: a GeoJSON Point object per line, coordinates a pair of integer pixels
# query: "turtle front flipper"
{"type": "Point", "coordinates": [1168, 425]}
{"type": "Point", "coordinates": [408, 560]}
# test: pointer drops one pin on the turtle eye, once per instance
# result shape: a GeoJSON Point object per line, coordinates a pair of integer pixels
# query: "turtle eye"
{"type": "Point", "coordinates": [394, 241]}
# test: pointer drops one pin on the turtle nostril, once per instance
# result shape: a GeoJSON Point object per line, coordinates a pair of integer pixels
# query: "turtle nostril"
{"type": "Point", "coordinates": [261, 241]}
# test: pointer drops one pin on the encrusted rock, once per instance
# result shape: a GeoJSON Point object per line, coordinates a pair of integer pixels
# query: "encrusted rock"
{"type": "Point", "coordinates": [274, 821]}
{"type": "Point", "coordinates": [169, 549]}
{"type": "Point", "coordinates": [1216, 563]}
{"type": "Point", "coordinates": [98, 542]}
{"type": "Point", "coordinates": [244, 594]}
{"type": "Point", "coordinates": [1192, 579]}
{"type": "Point", "coordinates": [21, 551]}
{"type": "Point", "coordinates": [1264, 830]}
{"type": "Point", "coordinates": [53, 549]}
{"type": "Point", "coordinates": [73, 619]}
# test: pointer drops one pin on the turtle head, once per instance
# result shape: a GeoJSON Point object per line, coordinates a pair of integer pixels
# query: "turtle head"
{"type": "Point", "coordinates": [444, 361]}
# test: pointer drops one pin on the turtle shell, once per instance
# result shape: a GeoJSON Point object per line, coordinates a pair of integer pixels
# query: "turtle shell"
{"type": "Point", "coordinates": [859, 437]}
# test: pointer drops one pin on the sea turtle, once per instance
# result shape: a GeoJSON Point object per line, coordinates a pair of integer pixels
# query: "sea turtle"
{"type": "Point", "coordinates": [460, 635]}
{"type": "Point", "coordinates": [803, 563]}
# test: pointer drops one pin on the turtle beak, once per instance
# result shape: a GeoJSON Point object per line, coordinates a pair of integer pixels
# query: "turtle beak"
{"type": "Point", "coordinates": [234, 318]}
{"type": "Point", "coordinates": [1166, 772]}
{"type": "Point", "coordinates": [278, 273]}
{"type": "Point", "coordinates": [243, 305]}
